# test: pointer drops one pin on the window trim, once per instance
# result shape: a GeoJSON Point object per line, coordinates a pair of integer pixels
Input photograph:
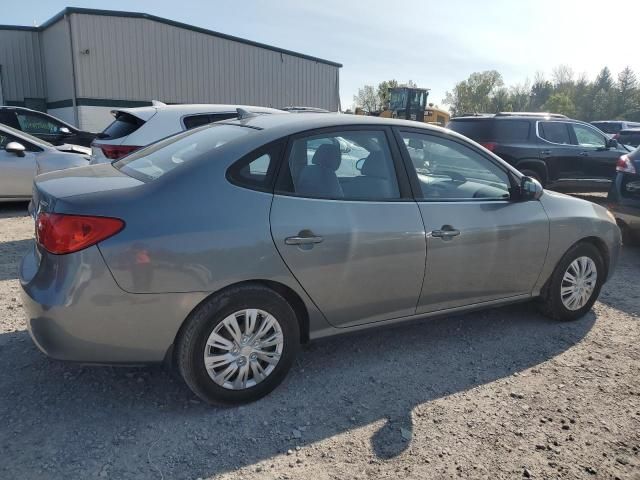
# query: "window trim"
{"type": "Point", "coordinates": [570, 131]}
{"type": "Point", "coordinates": [413, 176]}
{"type": "Point", "coordinates": [402, 179]}
{"type": "Point", "coordinates": [274, 150]}
{"type": "Point", "coordinates": [588, 127]}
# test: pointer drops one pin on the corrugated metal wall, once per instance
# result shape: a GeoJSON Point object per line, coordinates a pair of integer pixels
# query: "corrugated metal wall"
{"type": "Point", "coordinates": [56, 55]}
{"type": "Point", "coordinates": [22, 75]}
{"type": "Point", "coordinates": [140, 59]}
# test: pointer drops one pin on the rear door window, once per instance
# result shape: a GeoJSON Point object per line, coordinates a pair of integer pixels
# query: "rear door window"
{"type": "Point", "coordinates": [555, 132]}
{"type": "Point", "coordinates": [629, 138]}
{"type": "Point", "coordinates": [124, 124]}
{"type": "Point", "coordinates": [510, 131]}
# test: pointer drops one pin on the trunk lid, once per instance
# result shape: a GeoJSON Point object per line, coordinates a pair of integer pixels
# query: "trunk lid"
{"type": "Point", "coordinates": [92, 188]}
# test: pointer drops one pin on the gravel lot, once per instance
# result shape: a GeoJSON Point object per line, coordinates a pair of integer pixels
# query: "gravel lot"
{"type": "Point", "coordinates": [504, 393]}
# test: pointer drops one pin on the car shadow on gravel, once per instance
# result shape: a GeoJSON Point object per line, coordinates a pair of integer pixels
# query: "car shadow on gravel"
{"type": "Point", "coordinates": [70, 421]}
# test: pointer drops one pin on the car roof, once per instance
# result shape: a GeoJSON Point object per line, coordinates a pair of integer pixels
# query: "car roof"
{"type": "Point", "coordinates": [511, 116]}
{"type": "Point", "coordinates": [180, 110]}
{"type": "Point", "coordinates": [630, 130]}
{"type": "Point", "coordinates": [25, 136]}
{"type": "Point", "coordinates": [298, 123]}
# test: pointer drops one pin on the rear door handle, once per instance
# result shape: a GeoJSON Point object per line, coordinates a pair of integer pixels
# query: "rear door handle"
{"type": "Point", "coordinates": [305, 237]}
{"type": "Point", "coordinates": [584, 154]}
{"type": "Point", "coordinates": [545, 152]}
{"type": "Point", "coordinates": [447, 231]}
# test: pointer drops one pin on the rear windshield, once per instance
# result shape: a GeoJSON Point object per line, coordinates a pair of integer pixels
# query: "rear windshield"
{"type": "Point", "coordinates": [124, 124]}
{"type": "Point", "coordinates": [503, 131]}
{"type": "Point", "coordinates": [161, 157]}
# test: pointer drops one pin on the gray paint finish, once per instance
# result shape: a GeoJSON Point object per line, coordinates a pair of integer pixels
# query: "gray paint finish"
{"type": "Point", "coordinates": [191, 233]}
{"type": "Point", "coordinates": [22, 75]}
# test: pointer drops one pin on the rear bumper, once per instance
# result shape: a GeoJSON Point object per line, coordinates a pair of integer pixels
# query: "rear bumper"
{"type": "Point", "coordinates": [76, 312]}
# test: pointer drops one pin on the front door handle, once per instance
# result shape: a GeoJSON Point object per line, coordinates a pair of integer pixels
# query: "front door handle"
{"type": "Point", "coordinates": [304, 237]}
{"type": "Point", "coordinates": [584, 154]}
{"type": "Point", "coordinates": [545, 152]}
{"type": "Point", "coordinates": [446, 232]}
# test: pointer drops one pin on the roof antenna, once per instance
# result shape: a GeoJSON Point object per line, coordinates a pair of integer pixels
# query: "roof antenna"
{"type": "Point", "coordinates": [244, 114]}
{"type": "Point", "coordinates": [158, 103]}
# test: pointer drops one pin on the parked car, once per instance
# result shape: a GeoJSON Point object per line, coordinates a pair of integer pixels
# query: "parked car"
{"type": "Point", "coordinates": [223, 248]}
{"type": "Point", "coordinates": [613, 127]}
{"type": "Point", "coordinates": [553, 149]}
{"type": "Point", "coordinates": [629, 137]}
{"type": "Point", "coordinates": [23, 156]}
{"type": "Point", "coordinates": [44, 126]}
{"type": "Point", "coordinates": [624, 197]}
{"type": "Point", "coordinates": [134, 128]}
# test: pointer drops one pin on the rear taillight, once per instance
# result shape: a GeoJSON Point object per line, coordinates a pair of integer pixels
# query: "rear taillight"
{"type": "Point", "coordinates": [59, 233]}
{"type": "Point", "coordinates": [625, 165]}
{"type": "Point", "coordinates": [115, 152]}
{"type": "Point", "coordinates": [491, 146]}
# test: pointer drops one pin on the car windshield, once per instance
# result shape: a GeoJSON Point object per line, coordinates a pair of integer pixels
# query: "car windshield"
{"type": "Point", "coordinates": [161, 157]}
{"type": "Point", "coordinates": [25, 136]}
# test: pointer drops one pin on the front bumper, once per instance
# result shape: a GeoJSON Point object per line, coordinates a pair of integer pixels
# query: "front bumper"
{"type": "Point", "coordinates": [76, 311]}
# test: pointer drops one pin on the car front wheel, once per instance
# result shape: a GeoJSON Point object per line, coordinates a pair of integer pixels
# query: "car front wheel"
{"type": "Point", "coordinates": [575, 284]}
{"type": "Point", "coordinates": [239, 345]}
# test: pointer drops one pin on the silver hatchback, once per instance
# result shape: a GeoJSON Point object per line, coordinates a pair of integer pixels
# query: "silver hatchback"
{"type": "Point", "coordinates": [223, 248]}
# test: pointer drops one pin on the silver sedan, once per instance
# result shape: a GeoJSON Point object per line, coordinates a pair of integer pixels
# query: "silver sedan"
{"type": "Point", "coordinates": [222, 249]}
{"type": "Point", "coordinates": [23, 156]}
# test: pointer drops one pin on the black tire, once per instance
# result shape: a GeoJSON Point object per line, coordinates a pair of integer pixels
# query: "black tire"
{"type": "Point", "coordinates": [551, 303]}
{"type": "Point", "coordinates": [192, 341]}
{"type": "Point", "coordinates": [533, 174]}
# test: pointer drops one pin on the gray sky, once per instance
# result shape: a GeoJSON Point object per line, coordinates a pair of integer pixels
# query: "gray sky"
{"type": "Point", "coordinates": [433, 43]}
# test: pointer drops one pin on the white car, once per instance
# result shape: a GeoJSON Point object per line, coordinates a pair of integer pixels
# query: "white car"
{"type": "Point", "coordinates": [134, 128]}
{"type": "Point", "coordinates": [23, 156]}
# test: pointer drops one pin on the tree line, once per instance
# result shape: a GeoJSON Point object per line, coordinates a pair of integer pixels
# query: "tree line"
{"type": "Point", "coordinates": [604, 98]}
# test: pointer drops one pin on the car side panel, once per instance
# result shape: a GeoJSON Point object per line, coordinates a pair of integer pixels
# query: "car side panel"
{"type": "Point", "coordinates": [571, 220]}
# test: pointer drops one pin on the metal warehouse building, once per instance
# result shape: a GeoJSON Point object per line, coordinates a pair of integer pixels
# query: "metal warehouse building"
{"type": "Point", "coordinates": [82, 63]}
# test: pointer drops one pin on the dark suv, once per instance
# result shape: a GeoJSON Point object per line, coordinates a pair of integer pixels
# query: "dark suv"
{"type": "Point", "coordinates": [552, 148]}
{"type": "Point", "coordinates": [44, 126]}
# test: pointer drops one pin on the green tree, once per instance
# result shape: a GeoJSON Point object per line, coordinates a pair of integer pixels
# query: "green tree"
{"type": "Point", "coordinates": [604, 81]}
{"type": "Point", "coordinates": [476, 94]}
{"type": "Point", "coordinates": [367, 99]}
{"type": "Point", "coordinates": [383, 91]}
{"type": "Point", "coordinates": [560, 103]}
{"type": "Point", "coordinates": [628, 98]}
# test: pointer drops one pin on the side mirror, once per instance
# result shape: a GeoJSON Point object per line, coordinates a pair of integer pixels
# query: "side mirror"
{"type": "Point", "coordinates": [15, 147]}
{"type": "Point", "coordinates": [65, 131]}
{"type": "Point", "coordinates": [530, 189]}
{"type": "Point", "coordinates": [612, 143]}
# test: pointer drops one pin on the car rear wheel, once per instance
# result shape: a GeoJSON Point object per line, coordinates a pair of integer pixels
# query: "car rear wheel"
{"type": "Point", "coordinates": [575, 284]}
{"type": "Point", "coordinates": [239, 345]}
